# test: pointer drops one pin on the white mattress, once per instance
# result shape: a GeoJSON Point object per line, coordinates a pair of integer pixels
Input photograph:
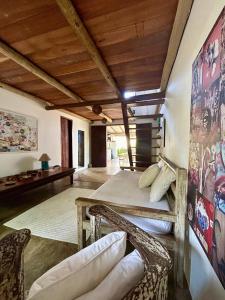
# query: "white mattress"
{"type": "Point", "coordinates": [123, 188]}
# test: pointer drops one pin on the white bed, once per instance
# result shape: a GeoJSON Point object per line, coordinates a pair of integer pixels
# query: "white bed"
{"type": "Point", "coordinates": [123, 188]}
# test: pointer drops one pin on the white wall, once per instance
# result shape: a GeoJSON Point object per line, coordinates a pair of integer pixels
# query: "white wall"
{"type": "Point", "coordinates": [204, 284]}
{"type": "Point", "coordinates": [49, 135]}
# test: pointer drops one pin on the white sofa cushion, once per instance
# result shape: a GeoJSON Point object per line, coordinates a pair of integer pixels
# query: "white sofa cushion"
{"type": "Point", "coordinates": [82, 271]}
{"type": "Point", "coordinates": [150, 225]}
{"type": "Point", "coordinates": [122, 188]}
{"type": "Point", "coordinates": [161, 184]}
{"type": "Point", "coordinates": [148, 176]}
{"type": "Point", "coordinates": [123, 277]}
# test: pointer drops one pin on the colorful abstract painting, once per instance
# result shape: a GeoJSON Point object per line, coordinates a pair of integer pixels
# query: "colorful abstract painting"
{"type": "Point", "coordinates": [18, 133]}
{"type": "Point", "coordinates": [206, 176]}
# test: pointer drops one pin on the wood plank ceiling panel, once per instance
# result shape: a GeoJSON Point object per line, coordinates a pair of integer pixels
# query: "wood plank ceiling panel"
{"type": "Point", "coordinates": [132, 36]}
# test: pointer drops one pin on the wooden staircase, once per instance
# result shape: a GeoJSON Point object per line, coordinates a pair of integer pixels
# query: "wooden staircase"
{"type": "Point", "coordinates": [133, 130]}
{"type": "Point", "coordinates": [141, 132]}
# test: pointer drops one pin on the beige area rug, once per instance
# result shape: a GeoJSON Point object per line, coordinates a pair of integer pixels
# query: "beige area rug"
{"type": "Point", "coordinates": [54, 218]}
{"type": "Point", "coordinates": [93, 175]}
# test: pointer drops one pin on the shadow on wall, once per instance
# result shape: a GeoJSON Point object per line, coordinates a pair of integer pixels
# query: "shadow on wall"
{"type": "Point", "coordinates": [205, 281]}
{"type": "Point", "coordinates": [26, 163]}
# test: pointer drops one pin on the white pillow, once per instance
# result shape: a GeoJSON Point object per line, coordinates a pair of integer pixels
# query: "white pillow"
{"type": "Point", "coordinates": [123, 277]}
{"type": "Point", "coordinates": [161, 164]}
{"type": "Point", "coordinates": [161, 184]}
{"type": "Point", "coordinates": [148, 176]}
{"type": "Point", "coordinates": [82, 271]}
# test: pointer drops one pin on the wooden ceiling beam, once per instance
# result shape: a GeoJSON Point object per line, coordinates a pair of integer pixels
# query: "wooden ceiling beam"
{"type": "Point", "coordinates": [82, 33]}
{"type": "Point", "coordinates": [37, 71]}
{"type": "Point", "coordinates": [147, 97]}
{"type": "Point", "coordinates": [19, 92]}
{"type": "Point", "coordinates": [77, 25]}
{"type": "Point", "coordinates": [146, 103]}
{"type": "Point", "coordinates": [76, 105]}
{"type": "Point", "coordinates": [131, 102]}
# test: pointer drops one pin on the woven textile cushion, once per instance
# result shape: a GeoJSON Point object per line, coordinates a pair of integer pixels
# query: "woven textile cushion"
{"type": "Point", "coordinates": [82, 271]}
{"type": "Point", "coordinates": [161, 184]}
{"type": "Point", "coordinates": [123, 277]}
{"type": "Point", "coordinates": [148, 176]}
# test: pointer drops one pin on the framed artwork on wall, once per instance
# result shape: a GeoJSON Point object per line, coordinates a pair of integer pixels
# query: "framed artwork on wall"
{"type": "Point", "coordinates": [206, 175]}
{"type": "Point", "coordinates": [18, 132]}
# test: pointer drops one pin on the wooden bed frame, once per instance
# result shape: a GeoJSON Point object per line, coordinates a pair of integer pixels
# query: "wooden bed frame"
{"type": "Point", "coordinates": [176, 196]}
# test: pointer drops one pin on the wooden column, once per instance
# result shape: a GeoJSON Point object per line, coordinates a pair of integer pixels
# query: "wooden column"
{"type": "Point", "coordinates": [127, 132]}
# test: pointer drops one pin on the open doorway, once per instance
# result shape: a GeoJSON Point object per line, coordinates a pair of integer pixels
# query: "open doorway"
{"type": "Point", "coordinates": [116, 146]}
{"type": "Point", "coordinates": [80, 148]}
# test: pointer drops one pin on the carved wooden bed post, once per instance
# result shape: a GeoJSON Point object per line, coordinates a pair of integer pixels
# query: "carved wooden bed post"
{"type": "Point", "coordinates": [158, 263]}
{"type": "Point", "coordinates": [179, 226]}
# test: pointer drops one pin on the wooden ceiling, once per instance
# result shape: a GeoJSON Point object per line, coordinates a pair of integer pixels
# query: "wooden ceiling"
{"type": "Point", "coordinates": [132, 37]}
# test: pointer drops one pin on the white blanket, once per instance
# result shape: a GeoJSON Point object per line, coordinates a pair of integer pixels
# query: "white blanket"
{"type": "Point", "coordinates": [122, 188]}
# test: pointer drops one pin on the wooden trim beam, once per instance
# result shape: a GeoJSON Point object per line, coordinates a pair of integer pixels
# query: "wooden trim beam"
{"type": "Point", "coordinates": [181, 18]}
{"type": "Point", "coordinates": [147, 116]}
{"type": "Point", "coordinates": [130, 102]}
{"type": "Point", "coordinates": [37, 71]}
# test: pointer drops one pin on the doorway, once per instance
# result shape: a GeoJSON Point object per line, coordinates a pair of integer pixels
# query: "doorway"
{"type": "Point", "coordinates": [116, 147]}
{"type": "Point", "coordinates": [66, 143]}
{"type": "Point", "coordinates": [98, 146]}
{"type": "Point", "coordinates": [80, 148]}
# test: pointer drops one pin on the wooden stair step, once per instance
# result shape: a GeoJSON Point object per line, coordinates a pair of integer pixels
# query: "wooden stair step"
{"type": "Point", "coordinates": [142, 161]}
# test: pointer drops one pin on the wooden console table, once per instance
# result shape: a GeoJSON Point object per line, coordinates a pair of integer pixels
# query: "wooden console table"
{"type": "Point", "coordinates": [41, 178]}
